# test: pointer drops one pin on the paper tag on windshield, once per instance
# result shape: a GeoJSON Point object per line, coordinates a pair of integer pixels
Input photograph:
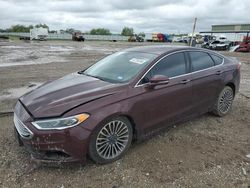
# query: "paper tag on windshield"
{"type": "Point", "coordinates": [138, 61]}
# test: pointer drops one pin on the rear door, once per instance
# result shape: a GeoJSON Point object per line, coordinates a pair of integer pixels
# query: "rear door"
{"type": "Point", "coordinates": [206, 80]}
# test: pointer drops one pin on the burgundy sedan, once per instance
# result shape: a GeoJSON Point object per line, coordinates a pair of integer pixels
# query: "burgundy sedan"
{"type": "Point", "coordinates": [126, 96]}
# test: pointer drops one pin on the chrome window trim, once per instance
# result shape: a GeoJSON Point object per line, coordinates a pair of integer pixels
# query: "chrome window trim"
{"type": "Point", "coordinates": [137, 84]}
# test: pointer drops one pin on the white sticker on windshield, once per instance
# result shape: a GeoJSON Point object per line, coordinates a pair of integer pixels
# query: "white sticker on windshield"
{"type": "Point", "coordinates": [138, 61]}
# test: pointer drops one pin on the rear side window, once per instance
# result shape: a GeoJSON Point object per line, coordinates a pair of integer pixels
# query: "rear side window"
{"type": "Point", "coordinates": [173, 65]}
{"type": "Point", "coordinates": [217, 60]}
{"type": "Point", "coordinates": [200, 60]}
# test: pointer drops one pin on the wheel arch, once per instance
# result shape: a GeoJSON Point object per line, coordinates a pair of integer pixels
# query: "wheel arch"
{"type": "Point", "coordinates": [131, 120]}
{"type": "Point", "coordinates": [120, 114]}
{"type": "Point", "coordinates": [232, 85]}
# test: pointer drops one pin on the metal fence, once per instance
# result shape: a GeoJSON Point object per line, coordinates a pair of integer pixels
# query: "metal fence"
{"type": "Point", "coordinates": [15, 34]}
{"type": "Point", "coordinates": [66, 36]}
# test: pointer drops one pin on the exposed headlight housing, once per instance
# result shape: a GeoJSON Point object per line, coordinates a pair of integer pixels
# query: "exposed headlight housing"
{"type": "Point", "coordinates": [60, 123]}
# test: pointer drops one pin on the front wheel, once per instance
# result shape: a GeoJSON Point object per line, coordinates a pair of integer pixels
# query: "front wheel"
{"type": "Point", "coordinates": [224, 102]}
{"type": "Point", "coordinates": [111, 140]}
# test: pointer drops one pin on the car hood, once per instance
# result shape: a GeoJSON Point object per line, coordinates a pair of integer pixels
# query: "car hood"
{"type": "Point", "coordinates": [55, 98]}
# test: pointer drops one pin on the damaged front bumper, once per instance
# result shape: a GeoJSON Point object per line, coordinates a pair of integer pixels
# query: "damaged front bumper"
{"type": "Point", "coordinates": [68, 145]}
{"type": "Point", "coordinates": [57, 146]}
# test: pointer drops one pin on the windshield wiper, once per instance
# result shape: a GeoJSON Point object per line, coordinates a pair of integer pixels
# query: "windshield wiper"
{"type": "Point", "coordinates": [81, 72]}
{"type": "Point", "coordinates": [98, 77]}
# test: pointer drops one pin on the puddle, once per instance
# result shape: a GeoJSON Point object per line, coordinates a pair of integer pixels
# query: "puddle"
{"type": "Point", "coordinates": [15, 93]}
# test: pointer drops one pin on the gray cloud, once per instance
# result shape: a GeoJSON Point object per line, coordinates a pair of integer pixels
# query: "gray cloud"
{"type": "Point", "coordinates": [148, 15]}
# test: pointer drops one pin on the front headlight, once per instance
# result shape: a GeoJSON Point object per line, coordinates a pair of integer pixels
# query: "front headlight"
{"type": "Point", "coordinates": [60, 123]}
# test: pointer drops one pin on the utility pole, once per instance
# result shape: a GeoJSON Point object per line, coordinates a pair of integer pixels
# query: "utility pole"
{"type": "Point", "coordinates": [195, 20]}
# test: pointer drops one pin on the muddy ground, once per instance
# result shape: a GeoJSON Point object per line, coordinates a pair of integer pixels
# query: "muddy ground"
{"type": "Point", "coordinates": [205, 152]}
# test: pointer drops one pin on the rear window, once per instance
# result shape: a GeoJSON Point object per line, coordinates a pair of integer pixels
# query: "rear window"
{"type": "Point", "coordinates": [200, 61]}
{"type": "Point", "coordinates": [217, 60]}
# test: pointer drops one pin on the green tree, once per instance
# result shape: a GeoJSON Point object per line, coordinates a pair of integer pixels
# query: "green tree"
{"type": "Point", "coordinates": [141, 34]}
{"type": "Point", "coordinates": [20, 28]}
{"type": "Point", "coordinates": [41, 25]}
{"type": "Point", "coordinates": [126, 31]}
{"type": "Point", "coordinates": [100, 31]}
{"type": "Point", "coordinates": [23, 28]}
{"type": "Point", "coordinates": [70, 30]}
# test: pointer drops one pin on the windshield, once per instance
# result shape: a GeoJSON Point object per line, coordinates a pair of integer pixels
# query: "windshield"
{"type": "Point", "coordinates": [120, 67]}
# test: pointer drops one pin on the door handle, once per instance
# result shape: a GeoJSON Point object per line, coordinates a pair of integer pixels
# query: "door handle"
{"type": "Point", "coordinates": [218, 72]}
{"type": "Point", "coordinates": [185, 81]}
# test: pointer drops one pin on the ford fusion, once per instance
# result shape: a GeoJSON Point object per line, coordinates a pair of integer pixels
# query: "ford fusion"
{"type": "Point", "coordinates": [126, 96]}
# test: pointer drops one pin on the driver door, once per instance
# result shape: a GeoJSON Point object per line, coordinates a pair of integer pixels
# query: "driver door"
{"type": "Point", "coordinates": [168, 103]}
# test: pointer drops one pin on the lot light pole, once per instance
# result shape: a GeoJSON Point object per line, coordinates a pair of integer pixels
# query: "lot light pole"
{"type": "Point", "coordinates": [195, 20]}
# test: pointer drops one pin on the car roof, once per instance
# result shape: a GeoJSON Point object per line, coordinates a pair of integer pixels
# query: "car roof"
{"type": "Point", "coordinates": [158, 49]}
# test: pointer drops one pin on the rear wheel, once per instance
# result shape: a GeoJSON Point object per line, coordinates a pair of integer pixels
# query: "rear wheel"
{"type": "Point", "coordinates": [224, 102]}
{"type": "Point", "coordinates": [111, 140]}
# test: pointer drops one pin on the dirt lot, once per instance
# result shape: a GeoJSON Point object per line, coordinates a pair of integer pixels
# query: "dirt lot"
{"type": "Point", "coordinates": [205, 152]}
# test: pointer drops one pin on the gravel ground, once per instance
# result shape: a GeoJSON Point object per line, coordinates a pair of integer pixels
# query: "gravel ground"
{"type": "Point", "coordinates": [205, 152]}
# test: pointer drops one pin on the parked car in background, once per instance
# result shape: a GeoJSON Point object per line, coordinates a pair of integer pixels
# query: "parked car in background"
{"type": "Point", "coordinates": [217, 45]}
{"type": "Point", "coordinates": [244, 46]}
{"type": "Point", "coordinates": [158, 37]}
{"type": "Point", "coordinates": [183, 39]}
{"type": "Point", "coordinates": [135, 38]}
{"type": "Point", "coordinates": [126, 96]}
{"type": "Point", "coordinates": [78, 36]}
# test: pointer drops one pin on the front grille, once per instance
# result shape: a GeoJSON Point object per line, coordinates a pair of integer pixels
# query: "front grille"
{"type": "Point", "coordinates": [22, 129]}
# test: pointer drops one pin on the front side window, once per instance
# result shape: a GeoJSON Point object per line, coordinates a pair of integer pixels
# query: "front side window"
{"type": "Point", "coordinates": [200, 61]}
{"type": "Point", "coordinates": [171, 66]}
{"type": "Point", "coordinates": [120, 67]}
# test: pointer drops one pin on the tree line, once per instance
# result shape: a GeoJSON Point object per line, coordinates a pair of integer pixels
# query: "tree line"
{"type": "Point", "coordinates": [126, 31]}
{"type": "Point", "coordinates": [23, 28]}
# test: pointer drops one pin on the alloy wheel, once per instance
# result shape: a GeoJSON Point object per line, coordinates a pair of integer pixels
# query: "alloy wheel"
{"type": "Point", "coordinates": [112, 139]}
{"type": "Point", "coordinates": [225, 101]}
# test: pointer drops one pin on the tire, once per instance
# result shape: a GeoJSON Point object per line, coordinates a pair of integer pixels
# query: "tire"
{"type": "Point", "coordinates": [111, 140]}
{"type": "Point", "coordinates": [224, 102]}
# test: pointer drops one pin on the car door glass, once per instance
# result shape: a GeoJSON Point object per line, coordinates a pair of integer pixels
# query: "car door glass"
{"type": "Point", "coordinates": [217, 60]}
{"type": "Point", "coordinates": [200, 61]}
{"type": "Point", "coordinates": [171, 66]}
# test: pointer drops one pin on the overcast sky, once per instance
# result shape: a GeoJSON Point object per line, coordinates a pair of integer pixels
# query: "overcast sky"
{"type": "Point", "coordinates": [167, 16]}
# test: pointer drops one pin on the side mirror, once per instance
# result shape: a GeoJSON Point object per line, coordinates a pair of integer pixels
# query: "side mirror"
{"type": "Point", "coordinates": [158, 80]}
